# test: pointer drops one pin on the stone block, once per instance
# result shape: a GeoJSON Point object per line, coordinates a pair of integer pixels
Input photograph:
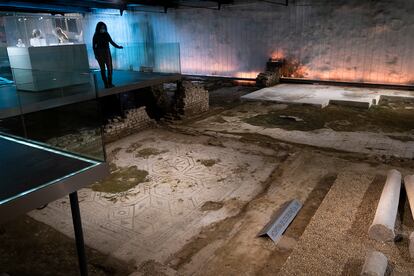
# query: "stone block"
{"type": "Point", "coordinates": [375, 264]}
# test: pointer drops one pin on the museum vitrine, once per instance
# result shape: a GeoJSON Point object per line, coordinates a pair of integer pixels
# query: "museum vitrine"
{"type": "Point", "coordinates": [45, 51]}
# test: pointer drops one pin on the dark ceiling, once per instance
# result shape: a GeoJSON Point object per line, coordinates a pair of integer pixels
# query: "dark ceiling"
{"type": "Point", "coordinates": [89, 5]}
{"type": "Point", "coordinates": [83, 6]}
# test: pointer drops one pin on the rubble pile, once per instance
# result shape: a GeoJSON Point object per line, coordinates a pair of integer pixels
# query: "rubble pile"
{"type": "Point", "coordinates": [272, 74]}
{"type": "Point", "coordinates": [267, 79]}
{"type": "Point", "coordinates": [85, 141]}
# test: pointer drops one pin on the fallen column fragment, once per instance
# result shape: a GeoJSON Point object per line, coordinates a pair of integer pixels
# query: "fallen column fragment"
{"type": "Point", "coordinates": [382, 228]}
{"type": "Point", "coordinates": [409, 188]}
{"type": "Point", "coordinates": [411, 246]}
{"type": "Point", "coordinates": [375, 264]}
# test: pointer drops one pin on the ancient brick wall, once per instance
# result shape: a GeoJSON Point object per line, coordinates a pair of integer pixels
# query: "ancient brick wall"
{"type": "Point", "coordinates": [191, 98]}
{"type": "Point", "coordinates": [135, 120]}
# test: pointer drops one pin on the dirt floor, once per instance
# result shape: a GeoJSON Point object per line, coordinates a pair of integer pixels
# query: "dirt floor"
{"type": "Point", "coordinates": [29, 247]}
{"type": "Point", "coordinates": [190, 198]}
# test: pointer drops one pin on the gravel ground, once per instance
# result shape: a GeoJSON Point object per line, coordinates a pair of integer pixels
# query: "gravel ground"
{"type": "Point", "coordinates": [336, 240]}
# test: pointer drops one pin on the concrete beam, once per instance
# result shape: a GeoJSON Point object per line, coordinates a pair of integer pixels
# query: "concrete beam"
{"type": "Point", "coordinates": [375, 264]}
{"type": "Point", "coordinates": [382, 228]}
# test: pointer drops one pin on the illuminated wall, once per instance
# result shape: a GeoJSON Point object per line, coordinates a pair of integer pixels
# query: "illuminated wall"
{"type": "Point", "coordinates": [347, 40]}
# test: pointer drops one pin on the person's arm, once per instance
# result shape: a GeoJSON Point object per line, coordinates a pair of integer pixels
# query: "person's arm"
{"type": "Point", "coordinates": [65, 36]}
{"type": "Point", "coordinates": [113, 43]}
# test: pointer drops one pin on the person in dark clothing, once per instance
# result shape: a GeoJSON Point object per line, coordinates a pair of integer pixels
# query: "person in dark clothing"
{"type": "Point", "coordinates": [100, 43]}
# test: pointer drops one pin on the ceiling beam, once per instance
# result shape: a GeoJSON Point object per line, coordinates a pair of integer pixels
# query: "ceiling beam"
{"type": "Point", "coordinates": [29, 6]}
{"type": "Point", "coordinates": [85, 6]}
{"type": "Point", "coordinates": [286, 3]}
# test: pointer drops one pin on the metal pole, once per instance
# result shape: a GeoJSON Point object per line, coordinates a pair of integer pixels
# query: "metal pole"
{"type": "Point", "coordinates": [100, 114]}
{"type": "Point", "coordinates": [77, 226]}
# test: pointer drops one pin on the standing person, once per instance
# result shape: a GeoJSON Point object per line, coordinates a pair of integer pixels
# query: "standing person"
{"type": "Point", "coordinates": [61, 36]}
{"type": "Point", "coordinates": [100, 43]}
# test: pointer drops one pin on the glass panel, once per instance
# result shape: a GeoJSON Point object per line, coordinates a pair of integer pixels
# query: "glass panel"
{"type": "Point", "coordinates": [5, 72]}
{"type": "Point", "coordinates": [12, 125]}
{"type": "Point", "coordinates": [57, 108]}
{"type": "Point", "coordinates": [75, 128]}
{"type": "Point", "coordinates": [143, 57]}
{"type": "Point", "coordinates": [47, 165]}
{"type": "Point", "coordinates": [39, 82]}
{"type": "Point", "coordinates": [167, 58]}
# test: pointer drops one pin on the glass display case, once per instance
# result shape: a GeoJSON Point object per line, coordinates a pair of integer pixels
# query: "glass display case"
{"type": "Point", "coordinates": [42, 30]}
{"type": "Point", "coordinates": [5, 71]}
{"type": "Point", "coordinates": [44, 43]}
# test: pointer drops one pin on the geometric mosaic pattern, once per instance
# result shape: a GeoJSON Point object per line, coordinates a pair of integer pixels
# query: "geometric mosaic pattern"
{"type": "Point", "coordinates": [156, 218]}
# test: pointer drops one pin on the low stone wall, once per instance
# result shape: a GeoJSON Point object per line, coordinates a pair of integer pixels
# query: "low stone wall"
{"type": "Point", "coordinates": [135, 120]}
{"type": "Point", "coordinates": [191, 99]}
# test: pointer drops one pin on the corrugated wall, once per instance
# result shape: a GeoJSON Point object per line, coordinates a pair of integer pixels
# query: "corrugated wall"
{"type": "Point", "coordinates": [363, 41]}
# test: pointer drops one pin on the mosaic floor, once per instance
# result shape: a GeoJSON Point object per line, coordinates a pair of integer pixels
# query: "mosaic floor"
{"type": "Point", "coordinates": [233, 123]}
{"type": "Point", "coordinates": [156, 218]}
